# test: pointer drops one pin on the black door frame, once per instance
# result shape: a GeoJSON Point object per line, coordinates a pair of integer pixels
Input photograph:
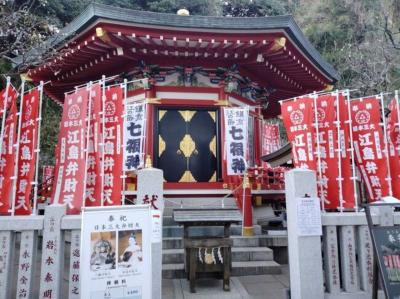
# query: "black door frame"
{"type": "Point", "coordinates": [191, 108]}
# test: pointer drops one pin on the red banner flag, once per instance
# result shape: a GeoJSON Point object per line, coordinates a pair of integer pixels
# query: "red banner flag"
{"type": "Point", "coordinates": [93, 178]}
{"type": "Point", "coordinates": [27, 152]}
{"type": "Point", "coordinates": [69, 178]}
{"type": "Point", "coordinates": [271, 140]}
{"type": "Point", "coordinates": [369, 146]}
{"type": "Point", "coordinates": [12, 95]}
{"type": "Point", "coordinates": [393, 124]}
{"type": "Point", "coordinates": [394, 146]}
{"type": "Point", "coordinates": [7, 158]}
{"type": "Point", "coordinates": [298, 120]}
{"type": "Point", "coordinates": [113, 154]}
{"type": "Point", "coordinates": [329, 185]}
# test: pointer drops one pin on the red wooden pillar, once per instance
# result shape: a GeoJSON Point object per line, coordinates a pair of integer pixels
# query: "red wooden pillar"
{"type": "Point", "coordinates": [257, 139]}
{"type": "Point", "coordinates": [247, 210]}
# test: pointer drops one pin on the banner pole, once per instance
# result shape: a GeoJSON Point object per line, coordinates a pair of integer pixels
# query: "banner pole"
{"type": "Point", "coordinates": [319, 150]}
{"type": "Point", "coordinates": [122, 140]}
{"type": "Point", "coordinates": [396, 96]}
{"type": "Point", "coordinates": [385, 140]}
{"type": "Point", "coordinates": [87, 141]}
{"type": "Point", "coordinates": [21, 104]}
{"type": "Point", "coordinates": [339, 151]}
{"type": "Point", "coordinates": [39, 120]}
{"type": "Point", "coordinates": [103, 120]}
{"type": "Point", "coordinates": [353, 162]}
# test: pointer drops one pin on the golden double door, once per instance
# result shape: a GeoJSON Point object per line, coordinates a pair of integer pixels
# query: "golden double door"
{"type": "Point", "coordinates": [186, 146]}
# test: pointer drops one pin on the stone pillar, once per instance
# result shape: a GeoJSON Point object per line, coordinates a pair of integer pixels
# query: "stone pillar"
{"type": "Point", "coordinates": [6, 259]}
{"type": "Point", "coordinates": [150, 191]}
{"type": "Point", "coordinates": [52, 253]}
{"type": "Point", "coordinates": [305, 257]}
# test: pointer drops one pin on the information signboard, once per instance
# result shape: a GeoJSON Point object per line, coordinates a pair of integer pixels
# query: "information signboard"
{"type": "Point", "coordinates": [386, 241]}
{"type": "Point", "coordinates": [308, 216]}
{"type": "Point", "coordinates": [116, 252]}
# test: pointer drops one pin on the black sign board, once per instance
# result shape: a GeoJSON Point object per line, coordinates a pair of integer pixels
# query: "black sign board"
{"type": "Point", "coordinates": [386, 242]}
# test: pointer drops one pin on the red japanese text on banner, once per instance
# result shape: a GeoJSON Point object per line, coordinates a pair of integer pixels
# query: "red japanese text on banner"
{"type": "Point", "coordinates": [27, 155]}
{"type": "Point", "coordinates": [7, 158]}
{"type": "Point", "coordinates": [394, 147]}
{"type": "Point", "coordinates": [329, 186]}
{"type": "Point", "coordinates": [271, 141]}
{"type": "Point", "coordinates": [93, 178]}
{"type": "Point", "coordinates": [134, 134]}
{"type": "Point", "coordinates": [298, 120]}
{"type": "Point", "coordinates": [393, 124]}
{"type": "Point", "coordinates": [48, 173]}
{"type": "Point", "coordinates": [69, 178]}
{"type": "Point", "coordinates": [12, 95]}
{"type": "Point", "coordinates": [369, 146]}
{"type": "Point", "coordinates": [236, 137]}
{"type": "Point", "coordinates": [345, 155]}
{"type": "Point", "coordinates": [112, 146]}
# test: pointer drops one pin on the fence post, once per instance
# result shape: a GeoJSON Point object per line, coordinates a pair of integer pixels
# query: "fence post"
{"type": "Point", "coordinates": [52, 253]}
{"type": "Point", "coordinates": [305, 257]}
{"type": "Point", "coordinates": [150, 187]}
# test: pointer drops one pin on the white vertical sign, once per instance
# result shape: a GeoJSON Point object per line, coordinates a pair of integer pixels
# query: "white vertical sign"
{"type": "Point", "coordinates": [116, 253]}
{"type": "Point", "coordinates": [134, 135]}
{"type": "Point", "coordinates": [236, 123]}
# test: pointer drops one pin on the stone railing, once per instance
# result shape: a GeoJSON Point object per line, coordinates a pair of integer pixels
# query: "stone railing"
{"type": "Point", "coordinates": [40, 256]}
{"type": "Point", "coordinates": [33, 252]}
{"type": "Point", "coordinates": [348, 256]}
{"type": "Point", "coordinates": [340, 263]}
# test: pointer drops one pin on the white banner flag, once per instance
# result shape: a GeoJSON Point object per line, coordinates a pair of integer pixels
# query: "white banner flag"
{"type": "Point", "coordinates": [134, 134]}
{"type": "Point", "coordinates": [236, 122]}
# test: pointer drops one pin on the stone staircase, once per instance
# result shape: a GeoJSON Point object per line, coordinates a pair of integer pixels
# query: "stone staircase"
{"type": "Point", "coordinates": [250, 256]}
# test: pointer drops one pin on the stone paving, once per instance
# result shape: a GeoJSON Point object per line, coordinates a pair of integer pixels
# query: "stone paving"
{"type": "Point", "coordinates": [253, 286]}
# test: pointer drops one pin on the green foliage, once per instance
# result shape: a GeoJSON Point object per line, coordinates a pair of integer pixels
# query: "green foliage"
{"type": "Point", "coordinates": [51, 115]}
{"type": "Point", "coordinates": [256, 8]}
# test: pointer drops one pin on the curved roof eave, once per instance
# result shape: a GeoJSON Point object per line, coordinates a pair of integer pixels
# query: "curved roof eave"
{"type": "Point", "coordinates": [97, 11]}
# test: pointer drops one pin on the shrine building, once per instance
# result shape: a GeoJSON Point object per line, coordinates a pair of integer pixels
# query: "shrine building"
{"type": "Point", "coordinates": [195, 66]}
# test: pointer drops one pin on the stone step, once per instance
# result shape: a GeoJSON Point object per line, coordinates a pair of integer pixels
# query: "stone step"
{"type": "Point", "coordinates": [177, 231]}
{"type": "Point", "coordinates": [238, 241]}
{"type": "Point", "coordinates": [172, 271]}
{"type": "Point", "coordinates": [239, 254]}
